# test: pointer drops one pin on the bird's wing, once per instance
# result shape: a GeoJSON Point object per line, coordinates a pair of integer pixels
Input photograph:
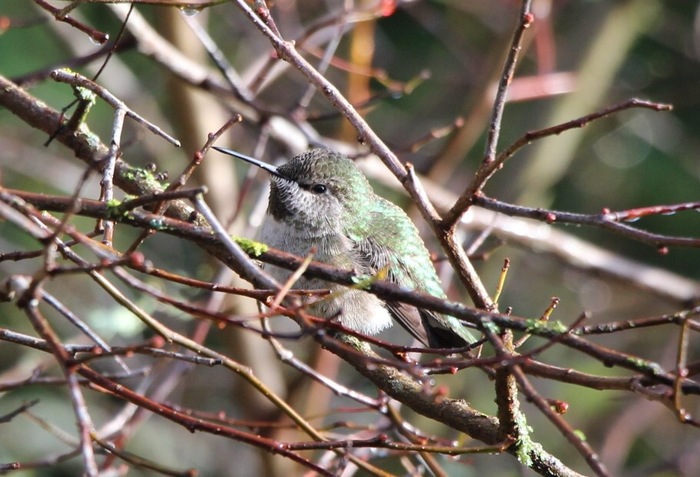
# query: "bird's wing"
{"type": "Point", "coordinates": [424, 325]}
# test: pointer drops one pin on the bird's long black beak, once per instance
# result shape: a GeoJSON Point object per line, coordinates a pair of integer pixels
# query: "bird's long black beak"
{"type": "Point", "coordinates": [256, 162]}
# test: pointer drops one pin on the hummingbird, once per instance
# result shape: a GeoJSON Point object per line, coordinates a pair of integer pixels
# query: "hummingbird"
{"type": "Point", "coordinates": [321, 200]}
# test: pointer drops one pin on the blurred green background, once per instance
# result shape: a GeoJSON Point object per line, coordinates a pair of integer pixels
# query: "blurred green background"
{"type": "Point", "coordinates": [440, 60]}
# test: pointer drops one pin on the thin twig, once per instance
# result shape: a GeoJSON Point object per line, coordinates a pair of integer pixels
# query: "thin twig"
{"type": "Point", "coordinates": [75, 79]}
{"type": "Point", "coordinates": [606, 220]}
{"type": "Point", "coordinates": [95, 35]}
{"type": "Point", "coordinates": [525, 19]}
{"type": "Point", "coordinates": [80, 409]}
{"type": "Point", "coordinates": [107, 183]}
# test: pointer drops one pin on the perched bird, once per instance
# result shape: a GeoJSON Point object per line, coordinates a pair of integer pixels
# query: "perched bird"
{"type": "Point", "coordinates": [321, 200]}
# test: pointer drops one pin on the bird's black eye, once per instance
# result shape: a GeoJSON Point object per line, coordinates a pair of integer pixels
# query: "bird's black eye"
{"type": "Point", "coordinates": [318, 188]}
